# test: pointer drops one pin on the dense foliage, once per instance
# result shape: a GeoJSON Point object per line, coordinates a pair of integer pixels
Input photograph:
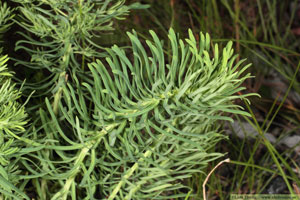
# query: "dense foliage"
{"type": "Point", "coordinates": [116, 123]}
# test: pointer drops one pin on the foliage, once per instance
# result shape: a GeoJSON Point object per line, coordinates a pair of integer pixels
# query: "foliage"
{"type": "Point", "coordinates": [122, 123]}
{"type": "Point", "coordinates": [5, 18]}
{"type": "Point", "coordinates": [266, 33]}
{"type": "Point", "coordinates": [58, 37]}
{"type": "Point", "coordinates": [146, 143]}
{"type": "Point", "coordinates": [12, 120]}
{"type": "Point", "coordinates": [167, 114]}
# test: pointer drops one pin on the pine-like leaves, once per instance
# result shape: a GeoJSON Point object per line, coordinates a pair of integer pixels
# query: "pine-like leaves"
{"type": "Point", "coordinates": [12, 122]}
{"type": "Point", "coordinates": [136, 124]}
{"type": "Point", "coordinates": [167, 113]}
{"type": "Point", "coordinates": [5, 18]}
{"type": "Point", "coordinates": [145, 123]}
{"type": "Point", "coordinates": [59, 37]}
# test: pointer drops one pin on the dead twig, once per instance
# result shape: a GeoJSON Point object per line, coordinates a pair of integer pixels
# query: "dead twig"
{"type": "Point", "coordinates": [206, 179]}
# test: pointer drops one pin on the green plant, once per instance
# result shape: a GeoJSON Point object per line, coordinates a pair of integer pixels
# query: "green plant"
{"type": "Point", "coordinates": [12, 122]}
{"type": "Point", "coordinates": [265, 32]}
{"type": "Point", "coordinates": [5, 18]}
{"type": "Point", "coordinates": [12, 119]}
{"type": "Point", "coordinates": [58, 37]}
{"type": "Point", "coordinates": [123, 123]}
{"type": "Point", "coordinates": [141, 127]}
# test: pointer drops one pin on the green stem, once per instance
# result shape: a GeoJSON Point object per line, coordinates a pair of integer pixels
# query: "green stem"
{"type": "Point", "coordinates": [147, 154]}
{"type": "Point", "coordinates": [63, 193]}
{"type": "Point", "coordinates": [128, 174]}
{"type": "Point", "coordinates": [56, 100]}
{"type": "Point", "coordinates": [142, 182]}
{"type": "Point", "coordinates": [62, 76]}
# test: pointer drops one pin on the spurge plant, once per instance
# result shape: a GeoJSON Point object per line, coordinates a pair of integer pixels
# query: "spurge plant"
{"type": "Point", "coordinates": [135, 123]}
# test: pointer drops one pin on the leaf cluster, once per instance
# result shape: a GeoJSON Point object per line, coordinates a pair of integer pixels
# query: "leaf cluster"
{"type": "Point", "coordinates": [5, 18]}
{"type": "Point", "coordinates": [59, 36]}
{"type": "Point", "coordinates": [119, 123]}
{"type": "Point", "coordinates": [12, 118]}
{"type": "Point", "coordinates": [140, 127]}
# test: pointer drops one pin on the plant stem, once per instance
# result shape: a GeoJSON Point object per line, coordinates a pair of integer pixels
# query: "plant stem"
{"type": "Point", "coordinates": [128, 174]}
{"type": "Point", "coordinates": [147, 154]}
{"type": "Point", "coordinates": [63, 194]}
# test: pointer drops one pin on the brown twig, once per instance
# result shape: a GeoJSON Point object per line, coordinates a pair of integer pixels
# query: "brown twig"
{"type": "Point", "coordinates": [206, 179]}
{"type": "Point", "coordinates": [297, 190]}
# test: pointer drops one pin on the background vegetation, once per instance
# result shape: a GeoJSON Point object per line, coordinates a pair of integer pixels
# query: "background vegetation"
{"type": "Point", "coordinates": [52, 57]}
